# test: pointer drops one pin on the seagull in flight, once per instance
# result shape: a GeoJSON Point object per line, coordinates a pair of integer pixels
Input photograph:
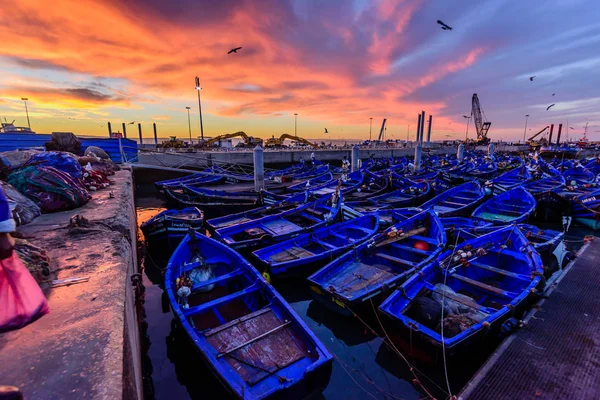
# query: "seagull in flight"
{"type": "Point", "coordinates": [444, 26]}
{"type": "Point", "coordinates": [326, 130]}
{"type": "Point", "coordinates": [234, 50]}
{"type": "Point", "coordinates": [531, 78]}
{"type": "Point", "coordinates": [572, 127]}
{"type": "Point", "coordinates": [550, 106]}
{"type": "Point", "coordinates": [553, 94]}
{"type": "Point", "coordinates": [131, 123]}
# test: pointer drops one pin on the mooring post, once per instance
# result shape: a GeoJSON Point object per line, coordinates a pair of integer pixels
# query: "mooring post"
{"type": "Point", "coordinates": [491, 149]}
{"type": "Point", "coordinates": [418, 154]}
{"type": "Point", "coordinates": [124, 131]}
{"type": "Point", "coordinates": [429, 129]}
{"type": "Point", "coordinates": [121, 152]}
{"type": "Point", "coordinates": [259, 168]}
{"type": "Point", "coordinates": [109, 130]}
{"type": "Point", "coordinates": [354, 157]}
{"type": "Point", "coordinates": [155, 135]}
{"type": "Point", "coordinates": [140, 132]}
{"type": "Point", "coordinates": [418, 128]}
{"type": "Point", "coordinates": [460, 154]}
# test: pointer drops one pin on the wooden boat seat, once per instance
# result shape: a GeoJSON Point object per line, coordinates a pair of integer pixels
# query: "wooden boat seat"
{"type": "Point", "coordinates": [498, 271]}
{"type": "Point", "coordinates": [257, 345]}
{"type": "Point", "coordinates": [512, 253]}
{"type": "Point", "coordinates": [292, 253]}
{"type": "Point", "coordinates": [396, 259]}
{"type": "Point", "coordinates": [483, 286]}
{"type": "Point", "coordinates": [216, 302]}
{"type": "Point", "coordinates": [325, 244]}
{"type": "Point", "coordinates": [217, 279]}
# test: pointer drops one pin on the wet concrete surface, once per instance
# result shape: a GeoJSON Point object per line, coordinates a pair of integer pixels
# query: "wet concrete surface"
{"type": "Point", "coordinates": [77, 350]}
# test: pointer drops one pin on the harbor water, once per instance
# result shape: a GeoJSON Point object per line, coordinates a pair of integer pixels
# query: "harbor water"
{"type": "Point", "coordinates": [366, 366]}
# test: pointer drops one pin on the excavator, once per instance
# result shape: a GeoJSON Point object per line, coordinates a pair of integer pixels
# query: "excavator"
{"type": "Point", "coordinates": [540, 142]}
{"type": "Point", "coordinates": [173, 143]}
{"type": "Point", "coordinates": [278, 142]}
{"type": "Point", "coordinates": [481, 127]}
{"type": "Point", "coordinates": [248, 141]}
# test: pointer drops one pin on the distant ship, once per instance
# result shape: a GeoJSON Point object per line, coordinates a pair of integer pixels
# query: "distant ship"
{"type": "Point", "coordinates": [9, 127]}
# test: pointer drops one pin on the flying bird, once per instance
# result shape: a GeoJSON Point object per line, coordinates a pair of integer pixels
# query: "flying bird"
{"type": "Point", "coordinates": [550, 106]}
{"type": "Point", "coordinates": [531, 78]}
{"type": "Point", "coordinates": [234, 50]}
{"type": "Point", "coordinates": [326, 130]}
{"type": "Point", "coordinates": [131, 123]}
{"type": "Point", "coordinates": [553, 94]}
{"type": "Point", "coordinates": [444, 26]}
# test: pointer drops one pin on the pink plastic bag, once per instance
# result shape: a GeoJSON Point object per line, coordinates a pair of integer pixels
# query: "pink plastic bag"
{"type": "Point", "coordinates": [21, 299]}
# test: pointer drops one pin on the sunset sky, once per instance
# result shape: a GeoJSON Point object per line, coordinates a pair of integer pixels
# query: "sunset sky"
{"type": "Point", "coordinates": [336, 63]}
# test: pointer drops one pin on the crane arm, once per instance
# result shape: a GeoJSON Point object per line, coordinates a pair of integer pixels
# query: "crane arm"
{"type": "Point", "coordinates": [382, 130]}
{"type": "Point", "coordinates": [297, 139]}
{"type": "Point", "coordinates": [227, 136]}
{"type": "Point", "coordinates": [480, 126]}
{"type": "Point", "coordinates": [538, 134]}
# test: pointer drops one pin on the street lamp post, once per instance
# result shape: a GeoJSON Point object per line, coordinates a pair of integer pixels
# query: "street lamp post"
{"type": "Point", "coordinates": [525, 131]}
{"type": "Point", "coordinates": [370, 127]}
{"type": "Point", "coordinates": [189, 123]}
{"type": "Point", "coordinates": [26, 111]}
{"type": "Point", "coordinates": [468, 117]}
{"type": "Point", "coordinates": [198, 88]}
{"type": "Point", "coordinates": [295, 124]}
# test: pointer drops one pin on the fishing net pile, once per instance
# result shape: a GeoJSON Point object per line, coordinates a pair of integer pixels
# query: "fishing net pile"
{"type": "Point", "coordinates": [50, 188]}
{"type": "Point", "coordinates": [23, 210]}
{"type": "Point", "coordinates": [64, 141]}
{"type": "Point", "coordinates": [60, 160]}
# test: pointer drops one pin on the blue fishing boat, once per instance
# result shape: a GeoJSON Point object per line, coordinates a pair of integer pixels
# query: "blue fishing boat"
{"type": "Point", "coordinates": [246, 333]}
{"type": "Point", "coordinates": [455, 228]}
{"type": "Point", "coordinates": [544, 241]}
{"type": "Point", "coordinates": [278, 227]}
{"type": "Point", "coordinates": [170, 226]}
{"type": "Point", "coordinates": [210, 207]}
{"type": "Point", "coordinates": [392, 216]}
{"type": "Point", "coordinates": [513, 206]}
{"type": "Point", "coordinates": [366, 274]}
{"type": "Point", "coordinates": [544, 185]}
{"type": "Point", "coordinates": [440, 185]}
{"type": "Point", "coordinates": [371, 186]}
{"type": "Point", "coordinates": [304, 185]}
{"type": "Point", "coordinates": [423, 174]}
{"type": "Point", "coordinates": [255, 214]}
{"type": "Point", "coordinates": [407, 193]}
{"type": "Point", "coordinates": [593, 165]}
{"type": "Point", "coordinates": [313, 172]}
{"type": "Point", "coordinates": [202, 194]}
{"type": "Point", "coordinates": [456, 201]}
{"type": "Point", "coordinates": [510, 179]}
{"type": "Point", "coordinates": [579, 175]}
{"type": "Point", "coordinates": [459, 172]}
{"type": "Point", "coordinates": [484, 170]}
{"type": "Point", "coordinates": [305, 253]}
{"type": "Point", "coordinates": [481, 283]}
{"type": "Point", "coordinates": [586, 209]}
{"type": "Point", "coordinates": [230, 176]}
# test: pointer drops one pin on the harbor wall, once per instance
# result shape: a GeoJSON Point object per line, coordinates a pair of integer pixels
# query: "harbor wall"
{"type": "Point", "coordinates": [88, 346]}
{"type": "Point", "coordinates": [289, 156]}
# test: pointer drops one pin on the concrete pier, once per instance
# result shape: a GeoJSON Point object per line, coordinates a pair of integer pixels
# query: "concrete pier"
{"type": "Point", "coordinates": [88, 345]}
{"type": "Point", "coordinates": [555, 355]}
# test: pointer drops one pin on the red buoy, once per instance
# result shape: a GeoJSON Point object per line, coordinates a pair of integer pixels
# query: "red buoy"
{"type": "Point", "coordinates": [421, 245]}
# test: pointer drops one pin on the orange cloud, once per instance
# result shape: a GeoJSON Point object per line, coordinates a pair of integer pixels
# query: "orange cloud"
{"type": "Point", "coordinates": [332, 71]}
